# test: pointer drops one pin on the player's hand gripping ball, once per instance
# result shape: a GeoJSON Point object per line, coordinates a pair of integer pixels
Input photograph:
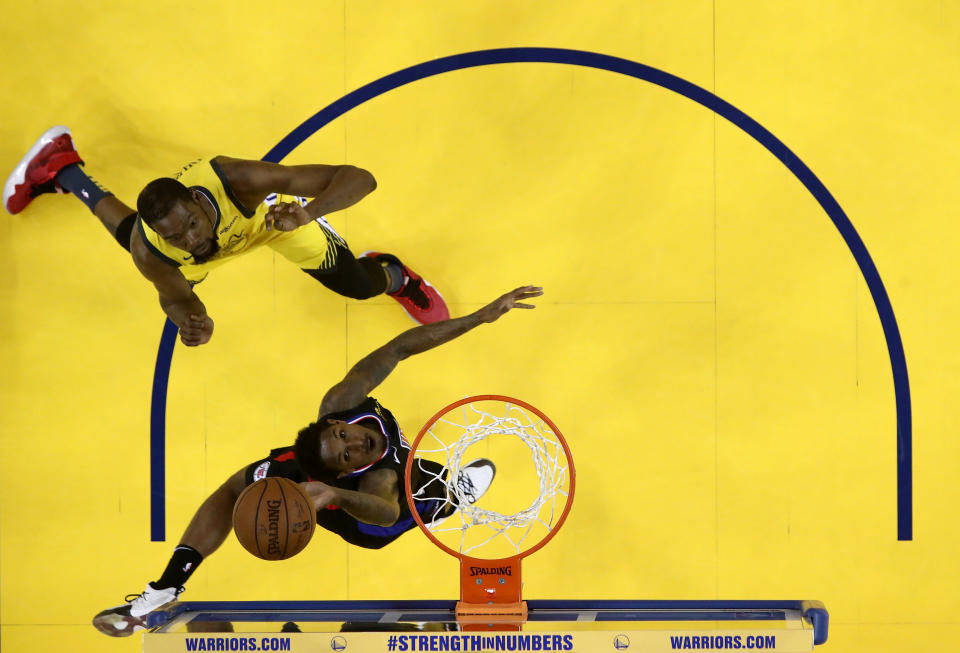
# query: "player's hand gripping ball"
{"type": "Point", "coordinates": [274, 518]}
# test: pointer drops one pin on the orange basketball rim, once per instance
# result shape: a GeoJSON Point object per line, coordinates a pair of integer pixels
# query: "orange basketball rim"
{"type": "Point", "coordinates": [490, 586]}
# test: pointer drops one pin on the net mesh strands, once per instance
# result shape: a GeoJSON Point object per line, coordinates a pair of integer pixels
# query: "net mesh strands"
{"type": "Point", "coordinates": [475, 426]}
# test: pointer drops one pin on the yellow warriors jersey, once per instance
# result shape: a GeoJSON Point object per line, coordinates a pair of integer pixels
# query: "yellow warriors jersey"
{"type": "Point", "coordinates": [238, 228]}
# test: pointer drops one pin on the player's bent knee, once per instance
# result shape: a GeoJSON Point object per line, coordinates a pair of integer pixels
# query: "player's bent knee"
{"type": "Point", "coordinates": [354, 286]}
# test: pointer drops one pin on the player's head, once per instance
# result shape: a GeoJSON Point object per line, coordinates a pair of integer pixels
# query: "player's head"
{"type": "Point", "coordinates": [334, 447]}
{"type": "Point", "coordinates": [176, 214]}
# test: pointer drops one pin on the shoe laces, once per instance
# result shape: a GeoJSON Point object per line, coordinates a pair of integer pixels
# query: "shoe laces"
{"type": "Point", "coordinates": [465, 483]}
{"type": "Point", "coordinates": [132, 598]}
{"type": "Point", "coordinates": [412, 290]}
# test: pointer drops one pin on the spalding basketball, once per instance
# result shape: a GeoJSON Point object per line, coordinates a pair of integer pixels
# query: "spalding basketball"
{"type": "Point", "coordinates": [274, 518]}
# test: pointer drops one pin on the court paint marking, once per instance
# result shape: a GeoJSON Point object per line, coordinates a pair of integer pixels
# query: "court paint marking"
{"type": "Point", "coordinates": [640, 71]}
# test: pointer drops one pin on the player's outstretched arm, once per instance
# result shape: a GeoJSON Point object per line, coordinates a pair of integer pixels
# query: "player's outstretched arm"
{"type": "Point", "coordinates": [370, 372]}
{"type": "Point", "coordinates": [333, 188]}
{"type": "Point", "coordinates": [213, 521]}
{"type": "Point", "coordinates": [177, 298]}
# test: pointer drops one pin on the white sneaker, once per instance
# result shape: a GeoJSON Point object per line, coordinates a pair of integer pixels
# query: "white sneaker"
{"type": "Point", "coordinates": [129, 618]}
{"type": "Point", "coordinates": [473, 479]}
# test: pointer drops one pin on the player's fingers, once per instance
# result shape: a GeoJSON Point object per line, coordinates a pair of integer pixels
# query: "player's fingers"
{"type": "Point", "coordinates": [524, 306]}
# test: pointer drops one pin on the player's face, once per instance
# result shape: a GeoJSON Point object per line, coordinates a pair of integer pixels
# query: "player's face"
{"type": "Point", "coordinates": [346, 447]}
{"type": "Point", "coordinates": [188, 227]}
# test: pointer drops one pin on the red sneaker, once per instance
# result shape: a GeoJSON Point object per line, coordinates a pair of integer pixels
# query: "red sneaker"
{"type": "Point", "coordinates": [418, 298]}
{"type": "Point", "coordinates": [36, 172]}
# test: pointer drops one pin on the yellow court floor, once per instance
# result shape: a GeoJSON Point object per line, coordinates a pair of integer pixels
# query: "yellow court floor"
{"type": "Point", "coordinates": [707, 340]}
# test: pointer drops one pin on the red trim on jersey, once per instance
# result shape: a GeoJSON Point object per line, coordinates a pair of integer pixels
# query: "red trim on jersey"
{"type": "Point", "coordinates": [290, 455]}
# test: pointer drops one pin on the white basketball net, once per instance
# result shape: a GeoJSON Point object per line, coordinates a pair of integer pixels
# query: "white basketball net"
{"type": "Point", "coordinates": [476, 425]}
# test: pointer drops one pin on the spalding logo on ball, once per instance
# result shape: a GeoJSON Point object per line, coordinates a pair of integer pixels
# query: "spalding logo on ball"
{"type": "Point", "coordinates": [274, 518]}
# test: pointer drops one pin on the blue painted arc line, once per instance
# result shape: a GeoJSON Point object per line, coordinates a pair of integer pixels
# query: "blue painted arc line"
{"type": "Point", "coordinates": [158, 418]}
{"type": "Point", "coordinates": [705, 98]}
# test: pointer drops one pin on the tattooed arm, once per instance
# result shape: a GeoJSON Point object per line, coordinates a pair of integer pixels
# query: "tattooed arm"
{"type": "Point", "coordinates": [370, 371]}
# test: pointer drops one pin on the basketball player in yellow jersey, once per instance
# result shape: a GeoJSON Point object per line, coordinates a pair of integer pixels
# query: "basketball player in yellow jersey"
{"type": "Point", "coordinates": [236, 230]}
{"type": "Point", "coordinates": [218, 208]}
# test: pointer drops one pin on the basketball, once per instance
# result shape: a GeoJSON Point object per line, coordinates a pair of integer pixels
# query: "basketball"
{"type": "Point", "coordinates": [274, 518]}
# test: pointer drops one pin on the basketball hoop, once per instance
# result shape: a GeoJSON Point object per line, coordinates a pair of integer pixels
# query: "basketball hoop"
{"type": "Point", "coordinates": [527, 504]}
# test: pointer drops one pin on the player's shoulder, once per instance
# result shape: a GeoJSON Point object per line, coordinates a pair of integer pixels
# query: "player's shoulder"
{"type": "Point", "coordinates": [231, 169]}
{"type": "Point", "coordinates": [281, 462]}
{"type": "Point", "coordinates": [201, 173]}
{"type": "Point", "coordinates": [245, 181]}
{"type": "Point", "coordinates": [198, 165]}
{"type": "Point", "coordinates": [283, 454]}
{"type": "Point", "coordinates": [338, 408]}
{"type": "Point", "coordinates": [374, 406]}
{"type": "Point", "coordinates": [148, 251]}
{"type": "Point", "coordinates": [238, 172]}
